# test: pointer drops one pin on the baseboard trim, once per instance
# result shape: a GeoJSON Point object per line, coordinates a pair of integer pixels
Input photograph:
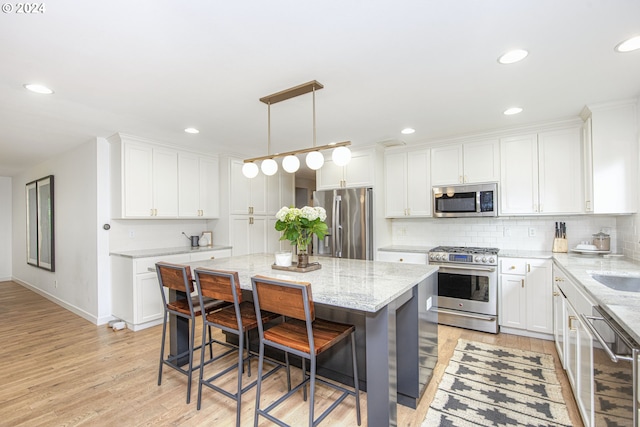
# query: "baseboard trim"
{"type": "Point", "coordinates": [72, 308]}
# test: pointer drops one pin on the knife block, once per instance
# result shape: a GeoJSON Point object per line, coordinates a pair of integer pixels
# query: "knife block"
{"type": "Point", "coordinates": [560, 245]}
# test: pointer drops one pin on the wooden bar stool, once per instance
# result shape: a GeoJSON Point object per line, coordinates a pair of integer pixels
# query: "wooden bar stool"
{"type": "Point", "coordinates": [301, 334]}
{"type": "Point", "coordinates": [238, 318]}
{"type": "Point", "coordinates": [178, 278]}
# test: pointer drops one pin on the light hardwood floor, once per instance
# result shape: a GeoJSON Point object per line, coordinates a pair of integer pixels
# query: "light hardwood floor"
{"type": "Point", "coordinates": [60, 370]}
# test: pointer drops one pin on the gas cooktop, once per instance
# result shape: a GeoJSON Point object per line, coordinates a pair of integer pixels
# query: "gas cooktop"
{"type": "Point", "coordinates": [464, 255]}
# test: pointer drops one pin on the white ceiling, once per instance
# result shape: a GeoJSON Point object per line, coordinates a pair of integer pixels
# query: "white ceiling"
{"type": "Point", "coordinates": [152, 68]}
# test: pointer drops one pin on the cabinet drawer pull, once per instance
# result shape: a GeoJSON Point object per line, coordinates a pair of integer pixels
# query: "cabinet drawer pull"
{"type": "Point", "coordinates": [556, 294]}
{"type": "Point", "coordinates": [522, 281]}
{"type": "Point", "coordinates": [528, 268]}
{"type": "Point", "coordinates": [570, 323]}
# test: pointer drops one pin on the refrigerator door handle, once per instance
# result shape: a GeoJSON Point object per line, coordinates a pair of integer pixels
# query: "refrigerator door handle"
{"type": "Point", "coordinates": [337, 241]}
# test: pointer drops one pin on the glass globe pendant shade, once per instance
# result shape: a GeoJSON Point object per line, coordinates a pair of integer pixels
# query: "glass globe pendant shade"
{"type": "Point", "coordinates": [341, 156]}
{"type": "Point", "coordinates": [269, 167]}
{"type": "Point", "coordinates": [290, 164]}
{"type": "Point", "coordinates": [250, 170]}
{"type": "Point", "coordinates": [315, 160]}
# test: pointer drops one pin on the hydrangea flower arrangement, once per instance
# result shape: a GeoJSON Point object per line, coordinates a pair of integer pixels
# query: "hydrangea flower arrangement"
{"type": "Point", "coordinates": [299, 225]}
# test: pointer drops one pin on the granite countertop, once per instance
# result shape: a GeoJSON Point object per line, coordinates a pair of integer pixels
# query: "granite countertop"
{"type": "Point", "coordinates": [147, 253]}
{"type": "Point", "coordinates": [348, 283]}
{"type": "Point", "coordinates": [517, 253]}
{"type": "Point", "coordinates": [622, 306]}
{"type": "Point", "coordinates": [406, 248]}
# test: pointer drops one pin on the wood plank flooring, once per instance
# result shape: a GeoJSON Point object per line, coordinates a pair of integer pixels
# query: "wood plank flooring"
{"type": "Point", "coordinates": [60, 370]}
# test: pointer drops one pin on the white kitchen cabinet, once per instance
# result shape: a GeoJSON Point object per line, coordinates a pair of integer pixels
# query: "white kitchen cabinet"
{"type": "Point", "coordinates": [405, 257]}
{"type": "Point", "coordinates": [247, 195]}
{"type": "Point", "coordinates": [541, 173]}
{"type": "Point", "coordinates": [577, 343]}
{"type": "Point", "coordinates": [525, 303]}
{"type": "Point", "coordinates": [559, 326]}
{"type": "Point", "coordinates": [469, 162]}
{"type": "Point", "coordinates": [610, 155]}
{"type": "Point", "coordinates": [135, 291]}
{"type": "Point", "coordinates": [407, 185]}
{"type": "Point", "coordinates": [262, 195]}
{"type": "Point", "coordinates": [198, 186]}
{"type": "Point", "coordinates": [359, 172]}
{"type": "Point", "coordinates": [248, 234]}
{"type": "Point", "coordinates": [144, 179]}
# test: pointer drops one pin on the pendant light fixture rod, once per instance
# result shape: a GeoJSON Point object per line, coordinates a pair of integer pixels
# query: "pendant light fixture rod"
{"type": "Point", "coordinates": [301, 151]}
{"type": "Point", "coordinates": [314, 116]}
{"type": "Point", "coordinates": [268, 128]}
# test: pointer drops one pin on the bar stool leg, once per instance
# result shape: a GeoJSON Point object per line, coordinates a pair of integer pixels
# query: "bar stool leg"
{"type": "Point", "coordinates": [164, 336]}
{"type": "Point", "coordinates": [258, 384]}
{"type": "Point", "coordinates": [240, 365]}
{"type": "Point", "coordinates": [312, 389]}
{"type": "Point", "coordinates": [190, 371]}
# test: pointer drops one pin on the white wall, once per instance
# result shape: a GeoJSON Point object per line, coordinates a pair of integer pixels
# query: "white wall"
{"type": "Point", "coordinates": [74, 283]}
{"type": "Point", "coordinates": [502, 232]}
{"type": "Point", "coordinates": [5, 228]}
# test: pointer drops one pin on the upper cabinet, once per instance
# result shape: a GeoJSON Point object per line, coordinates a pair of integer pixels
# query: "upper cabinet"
{"type": "Point", "coordinates": [540, 173]}
{"type": "Point", "coordinates": [262, 195]}
{"type": "Point", "coordinates": [469, 162]}
{"type": "Point", "coordinates": [610, 155]}
{"type": "Point", "coordinates": [358, 173]}
{"type": "Point", "coordinates": [153, 181]}
{"type": "Point", "coordinates": [198, 186]}
{"type": "Point", "coordinates": [407, 187]}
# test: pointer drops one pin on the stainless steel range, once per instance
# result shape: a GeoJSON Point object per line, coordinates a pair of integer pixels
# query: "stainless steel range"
{"type": "Point", "coordinates": [467, 287]}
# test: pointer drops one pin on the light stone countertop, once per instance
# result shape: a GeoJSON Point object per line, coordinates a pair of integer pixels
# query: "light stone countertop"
{"type": "Point", "coordinates": [518, 253]}
{"type": "Point", "coordinates": [148, 253]}
{"type": "Point", "coordinates": [624, 307]}
{"type": "Point", "coordinates": [347, 283]}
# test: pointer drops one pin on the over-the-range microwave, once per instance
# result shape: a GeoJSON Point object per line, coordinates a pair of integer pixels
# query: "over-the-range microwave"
{"type": "Point", "coordinates": [454, 201]}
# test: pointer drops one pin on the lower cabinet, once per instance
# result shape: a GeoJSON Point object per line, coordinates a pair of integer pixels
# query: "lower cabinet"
{"type": "Point", "coordinates": [525, 304]}
{"type": "Point", "coordinates": [135, 291]}
{"type": "Point", "coordinates": [574, 341]}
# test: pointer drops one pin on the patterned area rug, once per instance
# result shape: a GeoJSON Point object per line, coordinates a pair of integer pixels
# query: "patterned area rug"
{"type": "Point", "coordinates": [485, 385]}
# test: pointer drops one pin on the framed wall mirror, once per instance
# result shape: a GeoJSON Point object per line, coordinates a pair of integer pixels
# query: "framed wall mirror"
{"type": "Point", "coordinates": [40, 223]}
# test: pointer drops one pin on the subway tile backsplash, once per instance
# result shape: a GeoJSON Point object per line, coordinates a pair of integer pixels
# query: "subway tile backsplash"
{"type": "Point", "coordinates": [514, 233]}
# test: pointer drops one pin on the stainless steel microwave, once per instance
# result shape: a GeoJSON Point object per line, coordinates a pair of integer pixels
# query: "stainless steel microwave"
{"type": "Point", "coordinates": [454, 201]}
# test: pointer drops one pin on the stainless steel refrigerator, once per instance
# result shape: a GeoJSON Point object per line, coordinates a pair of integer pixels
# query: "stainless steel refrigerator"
{"type": "Point", "coordinates": [350, 222]}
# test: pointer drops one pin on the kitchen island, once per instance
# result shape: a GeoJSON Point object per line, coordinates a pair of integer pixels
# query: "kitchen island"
{"type": "Point", "coordinates": [389, 303]}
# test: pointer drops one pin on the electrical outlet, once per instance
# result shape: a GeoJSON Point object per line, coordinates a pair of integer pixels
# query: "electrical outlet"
{"type": "Point", "coordinates": [55, 283]}
{"type": "Point", "coordinates": [132, 234]}
{"type": "Point", "coordinates": [532, 232]}
{"type": "Point", "coordinates": [506, 232]}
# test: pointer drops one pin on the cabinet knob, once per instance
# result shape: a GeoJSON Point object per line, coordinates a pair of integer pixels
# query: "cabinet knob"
{"type": "Point", "coordinates": [401, 260]}
{"type": "Point", "coordinates": [212, 257]}
{"type": "Point", "coordinates": [513, 267]}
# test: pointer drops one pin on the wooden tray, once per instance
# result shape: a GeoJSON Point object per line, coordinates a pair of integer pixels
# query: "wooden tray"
{"type": "Point", "coordinates": [294, 267]}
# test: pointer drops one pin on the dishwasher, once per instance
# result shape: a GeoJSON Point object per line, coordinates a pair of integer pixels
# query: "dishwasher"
{"type": "Point", "coordinates": [615, 371]}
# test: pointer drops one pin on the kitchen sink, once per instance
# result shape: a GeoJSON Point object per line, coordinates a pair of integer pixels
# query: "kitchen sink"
{"type": "Point", "coordinates": [619, 283]}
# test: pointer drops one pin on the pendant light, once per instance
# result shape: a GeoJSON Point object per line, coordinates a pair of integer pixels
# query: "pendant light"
{"type": "Point", "coordinates": [290, 163]}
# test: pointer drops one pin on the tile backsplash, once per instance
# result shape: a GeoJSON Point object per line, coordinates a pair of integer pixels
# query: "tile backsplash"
{"type": "Point", "coordinates": [514, 233]}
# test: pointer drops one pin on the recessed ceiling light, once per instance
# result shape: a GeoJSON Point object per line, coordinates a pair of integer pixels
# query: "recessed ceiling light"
{"type": "Point", "coordinates": [628, 45]}
{"type": "Point", "coordinates": [191, 130]}
{"type": "Point", "coordinates": [38, 88]}
{"type": "Point", "coordinates": [511, 111]}
{"type": "Point", "coordinates": [513, 56]}
{"type": "Point", "coordinates": [407, 131]}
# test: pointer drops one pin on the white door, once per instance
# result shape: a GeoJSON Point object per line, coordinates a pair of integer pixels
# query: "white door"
{"type": "Point", "coordinates": [519, 175]}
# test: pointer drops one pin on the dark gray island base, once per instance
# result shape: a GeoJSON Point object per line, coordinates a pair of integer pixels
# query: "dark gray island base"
{"type": "Point", "coordinates": [389, 303]}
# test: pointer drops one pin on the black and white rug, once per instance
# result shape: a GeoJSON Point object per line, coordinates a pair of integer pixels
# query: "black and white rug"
{"type": "Point", "coordinates": [485, 385]}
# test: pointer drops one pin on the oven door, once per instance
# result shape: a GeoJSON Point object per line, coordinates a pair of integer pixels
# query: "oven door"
{"type": "Point", "coordinates": [468, 288]}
